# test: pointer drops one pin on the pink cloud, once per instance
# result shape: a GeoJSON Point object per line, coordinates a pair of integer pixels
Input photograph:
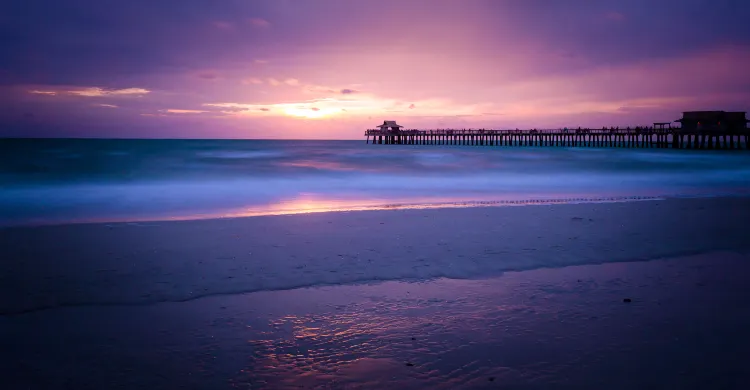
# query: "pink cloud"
{"type": "Point", "coordinates": [178, 111]}
{"type": "Point", "coordinates": [319, 89]}
{"type": "Point", "coordinates": [88, 91]}
{"type": "Point", "coordinates": [618, 95]}
{"type": "Point", "coordinates": [259, 23]}
{"type": "Point", "coordinates": [44, 93]}
{"type": "Point", "coordinates": [252, 80]}
{"type": "Point", "coordinates": [97, 92]}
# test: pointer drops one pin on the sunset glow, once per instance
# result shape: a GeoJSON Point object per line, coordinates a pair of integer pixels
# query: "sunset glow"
{"type": "Point", "coordinates": [311, 113]}
{"type": "Point", "coordinates": [278, 69]}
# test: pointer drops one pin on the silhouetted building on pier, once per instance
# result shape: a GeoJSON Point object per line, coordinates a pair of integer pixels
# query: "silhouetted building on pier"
{"type": "Point", "coordinates": [389, 125]}
{"type": "Point", "coordinates": [718, 121]}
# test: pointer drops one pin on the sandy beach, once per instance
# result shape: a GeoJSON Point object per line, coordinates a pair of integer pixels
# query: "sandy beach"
{"type": "Point", "coordinates": [142, 263]}
{"type": "Point", "coordinates": [485, 297]}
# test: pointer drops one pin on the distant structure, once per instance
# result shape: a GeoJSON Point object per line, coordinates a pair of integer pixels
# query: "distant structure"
{"type": "Point", "coordinates": [700, 130]}
{"type": "Point", "coordinates": [389, 125]}
{"type": "Point", "coordinates": [714, 121]}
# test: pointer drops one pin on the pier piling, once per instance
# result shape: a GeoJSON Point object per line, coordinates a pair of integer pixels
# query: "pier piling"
{"type": "Point", "coordinates": [671, 138]}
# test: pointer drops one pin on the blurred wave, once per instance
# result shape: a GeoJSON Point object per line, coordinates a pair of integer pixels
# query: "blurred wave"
{"type": "Point", "coordinates": [64, 180]}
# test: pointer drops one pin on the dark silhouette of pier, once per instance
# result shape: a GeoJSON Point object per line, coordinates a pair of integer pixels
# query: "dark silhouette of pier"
{"type": "Point", "coordinates": [708, 130]}
{"type": "Point", "coordinates": [599, 138]}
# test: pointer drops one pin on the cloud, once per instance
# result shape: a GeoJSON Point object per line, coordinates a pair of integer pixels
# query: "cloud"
{"type": "Point", "coordinates": [119, 41]}
{"type": "Point", "coordinates": [653, 84]}
{"type": "Point", "coordinates": [259, 23]}
{"type": "Point", "coordinates": [104, 105]}
{"type": "Point", "coordinates": [362, 105]}
{"type": "Point", "coordinates": [101, 92]}
{"type": "Point", "coordinates": [234, 110]}
{"type": "Point", "coordinates": [178, 111]}
{"type": "Point", "coordinates": [318, 89]}
{"type": "Point", "coordinates": [276, 82]}
{"type": "Point", "coordinates": [252, 80]}
{"type": "Point", "coordinates": [322, 89]}
{"type": "Point", "coordinates": [208, 75]}
{"type": "Point", "coordinates": [567, 55]}
{"type": "Point", "coordinates": [89, 91]}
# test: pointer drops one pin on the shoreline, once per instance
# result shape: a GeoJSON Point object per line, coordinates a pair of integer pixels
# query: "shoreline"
{"type": "Point", "coordinates": [426, 205]}
{"type": "Point", "coordinates": [126, 264]}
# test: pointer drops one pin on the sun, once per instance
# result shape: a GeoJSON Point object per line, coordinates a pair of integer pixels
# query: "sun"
{"type": "Point", "coordinates": [310, 113]}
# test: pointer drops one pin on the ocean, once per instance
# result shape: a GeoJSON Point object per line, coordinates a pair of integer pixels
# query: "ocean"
{"type": "Point", "coordinates": [56, 181]}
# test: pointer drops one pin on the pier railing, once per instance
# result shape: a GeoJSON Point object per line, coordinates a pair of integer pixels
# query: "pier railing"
{"type": "Point", "coordinates": [639, 137]}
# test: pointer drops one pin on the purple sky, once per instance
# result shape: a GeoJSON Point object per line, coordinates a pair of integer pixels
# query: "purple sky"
{"type": "Point", "coordinates": [332, 68]}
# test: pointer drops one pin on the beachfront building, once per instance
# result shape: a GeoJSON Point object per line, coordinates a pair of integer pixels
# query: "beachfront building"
{"type": "Point", "coordinates": [718, 121]}
{"type": "Point", "coordinates": [390, 126]}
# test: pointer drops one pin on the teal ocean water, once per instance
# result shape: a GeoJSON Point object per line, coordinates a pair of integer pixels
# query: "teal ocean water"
{"type": "Point", "coordinates": [77, 180]}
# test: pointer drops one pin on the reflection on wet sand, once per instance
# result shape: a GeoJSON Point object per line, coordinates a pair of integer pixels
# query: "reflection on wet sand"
{"type": "Point", "coordinates": [685, 327]}
{"type": "Point", "coordinates": [527, 330]}
{"type": "Point", "coordinates": [309, 203]}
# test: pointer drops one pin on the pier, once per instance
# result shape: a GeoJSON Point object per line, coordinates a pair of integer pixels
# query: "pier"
{"type": "Point", "coordinates": [709, 130]}
{"type": "Point", "coordinates": [673, 138]}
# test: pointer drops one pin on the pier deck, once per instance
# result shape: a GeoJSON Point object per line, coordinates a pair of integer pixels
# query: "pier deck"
{"type": "Point", "coordinates": [674, 138]}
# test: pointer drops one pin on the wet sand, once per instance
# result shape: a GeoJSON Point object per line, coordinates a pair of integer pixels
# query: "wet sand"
{"type": "Point", "coordinates": [510, 297]}
{"type": "Point", "coordinates": [137, 263]}
{"type": "Point", "coordinates": [684, 328]}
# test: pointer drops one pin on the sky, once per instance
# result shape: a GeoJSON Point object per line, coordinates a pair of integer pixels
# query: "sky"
{"type": "Point", "coordinates": [329, 69]}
